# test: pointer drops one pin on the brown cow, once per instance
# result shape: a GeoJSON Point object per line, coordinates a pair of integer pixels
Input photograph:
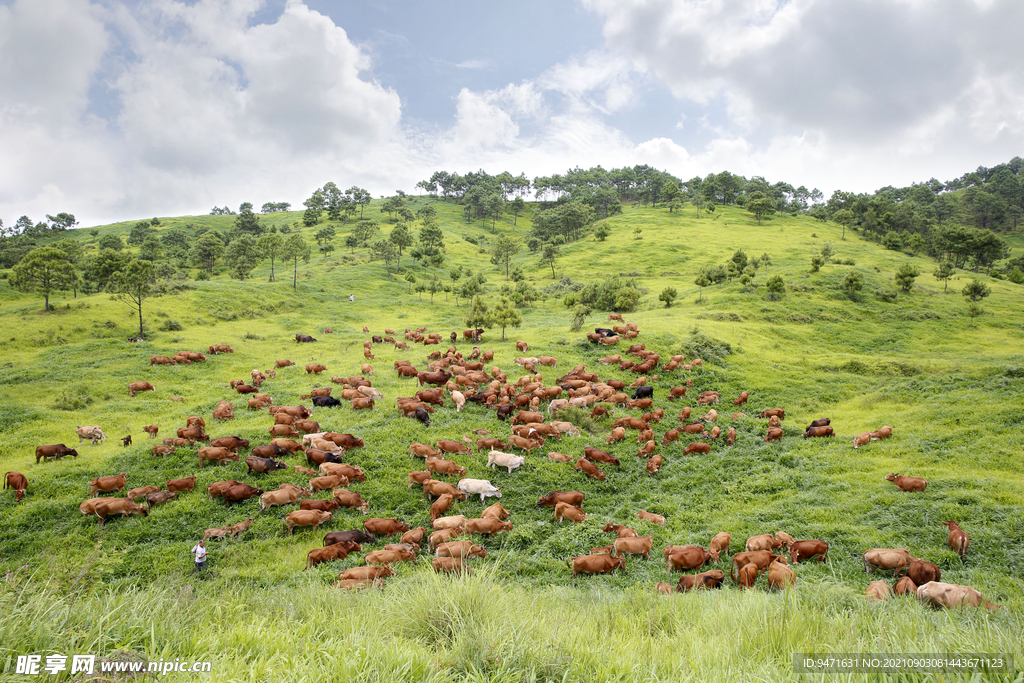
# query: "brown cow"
{"type": "Point", "coordinates": [705, 580]}
{"type": "Point", "coordinates": [620, 530]}
{"type": "Point", "coordinates": [313, 518]}
{"type": "Point", "coordinates": [218, 453]}
{"type": "Point", "coordinates": [747, 575]}
{"type": "Point", "coordinates": [186, 484]}
{"type": "Point", "coordinates": [453, 447]}
{"type": "Point", "coordinates": [818, 432]}
{"type": "Point", "coordinates": [315, 368]}
{"type": "Point", "coordinates": [54, 451]}
{"type": "Point", "coordinates": [878, 591]}
{"type": "Point", "coordinates": [921, 572]}
{"type": "Point", "coordinates": [18, 482]}
{"type": "Point", "coordinates": [719, 544]}
{"type": "Point", "coordinates": [683, 557]}
{"type": "Point", "coordinates": [107, 484]}
{"type": "Point", "coordinates": [136, 387]}
{"type": "Point", "coordinates": [488, 526]}
{"type": "Point", "coordinates": [905, 587]}
{"type": "Point", "coordinates": [633, 546]}
{"type": "Point", "coordinates": [445, 467]}
{"type": "Point", "coordinates": [555, 497]}
{"type": "Point", "coordinates": [780, 576]}
{"type": "Point", "coordinates": [763, 542]}
{"type": "Point", "coordinates": [218, 488]}
{"type": "Point", "coordinates": [777, 412]}
{"type": "Point", "coordinates": [773, 434]}
{"type": "Point", "coordinates": [958, 539]}
{"type": "Point", "coordinates": [805, 550]}
{"type": "Point", "coordinates": [366, 573]}
{"type": "Point", "coordinates": [905, 483]}
{"type": "Point", "coordinates": [460, 550]}
{"type": "Point", "coordinates": [589, 469]}
{"type": "Point", "coordinates": [759, 558]}
{"type": "Point", "coordinates": [950, 595]}
{"type": "Point", "coordinates": [152, 430]}
{"type": "Point", "coordinates": [651, 517]}
{"type": "Point", "coordinates": [861, 439]}
{"type": "Point", "coordinates": [883, 433]}
{"type": "Point", "coordinates": [440, 506]}
{"type": "Point", "coordinates": [337, 551]}
{"type": "Point", "coordinates": [159, 498]}
{"type": "Point", "coordinates": [697, 447]}
{"type": "Point", "coordinates": [570, 512]}
{"type": "Point", "coordinates": [385, 527]}
{"type": "Point", "coordinates": [496, 510]}
{"type": "Point", "coordinates": [108, 507]}
{"type": "Point", "coordinates": [887, 558]}
{"type": "Point", "coordinates": [597, 455]}
{"type": "Point", "coordinates": [595, 564]}
{"type": "Point", "coordinates": [240, 492]}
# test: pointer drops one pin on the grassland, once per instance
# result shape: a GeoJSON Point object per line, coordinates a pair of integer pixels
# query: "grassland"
{"type": "Point", "coordinates": [952, 390]}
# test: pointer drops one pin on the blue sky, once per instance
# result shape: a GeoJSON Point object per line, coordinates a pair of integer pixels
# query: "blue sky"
{"type": "Point", "coordinates": [113, 110]}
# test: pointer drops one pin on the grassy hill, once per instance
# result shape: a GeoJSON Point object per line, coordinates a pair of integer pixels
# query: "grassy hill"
{"type": "Point", "coordinates": [951, 389]}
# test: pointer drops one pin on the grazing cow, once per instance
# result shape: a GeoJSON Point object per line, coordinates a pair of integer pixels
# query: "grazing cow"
{"type": "Point", "coordinates": [818, 432]}
{"type": "Point", "coordinates": [643, 392]}
{"type": "Point", "coordinates": [330, 553]}
{"type": "Point", "coordinates": [18, 482]}
{"type": "Point", "coordinates": [616, 435]}
{"type": "Point", "coordinates": [315, 368]}
{"type": "Point", "coordinates": [481, 487]}
{"type": "Point", "coordinates": [741, 399]}
{"type": "Point", "coordinates": [620, 530]}
{"type": "Point", "coordinates": [670, 436]}
{"type": "Point", "coordinates": [263, 465]}
{"type": "Point", "coordinates": [693, 428]}
{"type": "Point", "coordinates": [883, 433]}
{"type": "Point", "coordinates": [240, 492]}
{"type": "Point", "coordinates": [355, 536]}
{"type": "Point", "coordinates": [950, 595]}
{"type": "Point", "coordinates": [386, 557]}
{"type": "Point", "coordinates": [730, 436]}
{"type": "Point", "coordinates": [759, 558]}
{"type": "Point", "coordinates": [705, 580]}
{"type": "Point", "coordinates": [326, 402]}
{"type": "Point", "coordinates": [958, 539]}
{"type": "Point", "coordinates": [449, 522]}
{"type": "Point", "coordinates": [54, 451]}
{"type": "Point", "coordinates": [570, 512]}
{"type": "Point", "coordinates": [589, 469]}
{"type": "Point", "coordinates": [897, 559]}
{"type": "Point", "coordinates": [269, 451]}
{"type": "Point", "coordinates": [647, 449]}
{"type": "Point", "coordinates": [780, 576]}
{"type": "Point", "coordinates": [218, 453]}
{"type": "Point", "coordinates": [108, 507]}
{"type": "Point", "coordinates": [445, 467]}
{"type": "Point", "coordinates": [385, 527]}
{"type": "Point", "coordinates": [313, 518]}
{"type": "Point", "coordinates": [230, 442]}
{"type": "Point", "coordinates": [597, 455]}
{"type": "Point", "coordinates": [284, 363]}
{"type": "Point", "coordinates": [777, 412]}
{"type": "Point", "coordinates": [460, 550]}
{"type": "Point", "coordinates": [327, 482]}
{"type": "Point", "coordinates": [555, 497]}
{"type": "Point", "coordinates": [219, 348]}
{"type": "Point", "coordinates": [433, 487]}
{"type": "Point", "coordinates": [878, 591]}
{"type": "Point", "coordinates": [421, 414]}
{"type": "Point", "coordinates": [525, 417]}
{"type": "Point", "coordinates": [921, 572]}
{"type": "Point", "coordinates": [773, 434]}
{"type": "Point", "coordinates": [351, 500]}
{"type": "Point", "coordinates": [805, 550]}
{"type": "Point", "coordinates": [440, 506]}
{"type": "Point", "coordinates": [136, 387]}
{"type": "Point", "coordinates": [633, 546]}
{"type": "Point", "coordinates": [452, 447]}
{"type": "Point", "coordinates": [763, 542]}
{"type": "Point", "coordinates": [651, 517]}
{"type": "Point", "coordinates": [684, 557]}
{"type": "Point", "coordinates": [107, 484]}
{"type": "Point", "coordinates": [526, 444]}
{"type": "Point", "coordinates": [497, 511]}
{"type": "Point", "coordinates": [861, 439]}
{"type": "Point", "coordinates": [697, 447]}
{"type": "Point", "coordinates": [905, 587]}
{"type": "Point", "coordinates": [821, 422]}
{"type": "Point", "coordinates": [362, 404]}
{"type": "Point", "coordinates": [88, 507]}
{"type": "Point", "coordinates": [655, 463]}
{"type": "Point", "coordinates": [299, 338]}
{"type": "Point", "coordinates": [218, 488]}
{"type": "Point", "coordinates": [747, 575]}
{"type": "Point", "coordinates": [595, 564]}
{"type": "Point", "coordinates": [719, 544]}
{"type": "Point", "coordinates": [372, 573]}
{"type": "Point", "coordinates": [498, 458]}
{"type": "Point", "coordinates": [186, 485]}
{"type": "Point", "coordinates": [489, 443]}
{"type": "Point", "coordinates": [159, 498]}
{"type": "Point", "coordinates": [905, 483]}
{"type": "Point", "coordinates": [94, 434]}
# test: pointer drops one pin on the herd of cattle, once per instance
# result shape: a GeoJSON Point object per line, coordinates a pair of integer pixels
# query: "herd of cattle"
{"type": "Point", "coordinates": [463, 380]}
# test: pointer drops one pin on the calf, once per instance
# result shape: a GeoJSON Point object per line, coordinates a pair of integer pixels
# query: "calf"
{"type": "Point", "coordinates": [18, 482]}
{"type": "Point", "coordinates": [905, 483]}
{"type": "Point", "coordinates": [958, 539]}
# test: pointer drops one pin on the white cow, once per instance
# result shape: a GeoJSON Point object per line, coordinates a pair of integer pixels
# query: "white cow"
{"type": "Point", "coordinates": [460, 400]}
{"type": "Point", "coordinates": [483, 487]}
{"type": "Point", "coordinates": [498, 458]}
{"type": "Point", "coordinates": [91, 433]}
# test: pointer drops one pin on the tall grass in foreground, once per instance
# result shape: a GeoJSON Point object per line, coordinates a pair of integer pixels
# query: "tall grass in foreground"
{"type": "Point", "coordinates": [432, 628]}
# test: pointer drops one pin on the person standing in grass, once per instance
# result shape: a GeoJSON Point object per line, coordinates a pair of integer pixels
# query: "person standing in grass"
{"type": "Point", "coordinates": [200, 552]}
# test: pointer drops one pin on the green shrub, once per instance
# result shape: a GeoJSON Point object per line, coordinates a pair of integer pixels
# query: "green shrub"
{"type": "Point", "coordinates": [170, 326]}
{"type": "Point", "coordinates": [886, 294]}
{"type": "Point", "coordinates": [580, 417]}
{"type": "Point", "coordinates": [74, 398]}
{"type": "Point", "coordinates": [701, 345]}
{"type": "Point", "coordinates": [203, 275]}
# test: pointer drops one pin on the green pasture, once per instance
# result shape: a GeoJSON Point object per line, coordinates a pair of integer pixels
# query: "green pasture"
{"type": "Point", "coordinates": [953, 391]}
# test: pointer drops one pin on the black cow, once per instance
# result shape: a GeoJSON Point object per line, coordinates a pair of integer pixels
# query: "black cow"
{"type": "Point", "coordinates": [263, 465]}
{"type": "Point", "coordinates": [504, 410]}
{"type": "Point", "coordinates": [270, 450]}
{"type": "Point", "coordinates": [326, 401]}
{"type": "Point", "coordinates": [357, 536]}
{"type": "Point", "coordinates": [604, 331]}
{"type": "Point", "coordinates": [333, 457]}
{"type": "Point", "coordinates": [643, 392]}
{"type": "Point", "coordinates": [304, 338]}
{"type": "Point", "coordinates": [423, 416]}
{"type": "Point", "coordinates": [454, 337]}
{"type": "Point", "coordinates": [127, 441]}
{"type": "Point", "coordinates": [377, 340]}
{"type": "Point", "coordinates": [822, 422]}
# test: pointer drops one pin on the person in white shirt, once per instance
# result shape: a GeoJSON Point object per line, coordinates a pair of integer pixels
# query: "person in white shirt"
{"type": "Point", "coordinates": [200, 552]}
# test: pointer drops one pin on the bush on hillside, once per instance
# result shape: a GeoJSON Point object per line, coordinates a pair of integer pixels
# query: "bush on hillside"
{"type": "Point", "coordinates": [886, 294]}
{"type": "Point", "coordinates": [611, 294]}
{"type": "Point", "coordinates": [74, 398]}
{"type": "Point", "coordinates": [701, 345]}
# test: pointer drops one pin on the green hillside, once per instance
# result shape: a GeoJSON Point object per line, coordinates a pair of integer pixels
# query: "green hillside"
{"type": "Point", "coordinates": [951, 387]}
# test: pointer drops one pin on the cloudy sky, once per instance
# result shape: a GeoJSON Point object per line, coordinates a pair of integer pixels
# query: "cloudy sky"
{"type": "Point", "coordinates": [115, 110]}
